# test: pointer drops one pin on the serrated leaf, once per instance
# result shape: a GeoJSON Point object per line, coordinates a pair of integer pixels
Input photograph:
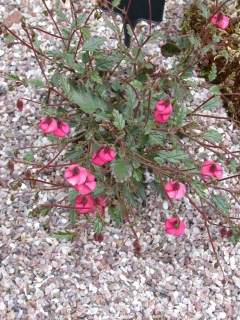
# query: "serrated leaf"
{"type": "Point", "coordinates": [85, 99]}
{"type": "Point", "coordinates": [174, 156]}
{"type": "Point", "coordinates": [121, 170]}
{"type": "Point", "coordinates": [215, 102]}
{"type": "Point", "coordinates": [157, 138]}
{"type": "Point", "coordinates": [221, 203]}
{"type": "Point", "coordinates": [213, 136]}
{"type": "Point", "coordinates": [98, 225]}
{"type": "Point", "coordinates": [119, 121]}
{"type": "Point", "coordinates": [93, 44]}
{"type": "Point", "coordinates": [215, 90]}
{"type": "Point", "coordinates": [198, 187]}
{"type": "Point", "coordinates": [204, 9]}
{"type": "Point", "coordinates": [105, 63]}
{"type": "Point", "coordinates": [131, 98]}
{"type": "Point", "coordinates": [180, 115]}
{"type": "Point", "coordinates": [138, 175]}
{"type": "Point", "coordinates": [213, 72]}
{"type": "Point", "coordinates": [116, 215]}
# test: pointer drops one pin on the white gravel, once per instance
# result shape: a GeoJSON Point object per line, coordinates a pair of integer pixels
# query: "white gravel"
{"type": "Point", "coordinates": [43, 278]}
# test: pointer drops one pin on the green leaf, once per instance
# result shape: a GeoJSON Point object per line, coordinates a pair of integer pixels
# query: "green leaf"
{"type": "Point", "coordinates": [233, 166]}
{"type": "Point", "coordinates": [116, 215]}
{"type": "Point", "coordinates": [93, 44]}
{"type": "Point", "coordinates": [221, 202]}
{"type": "Point", "coordinates": [215, 102]}
{"type": "Point", "coordinates": [179, 116]}
{"type": "Point", "coordinates": [157, 138]}
{"type": "Point", "coordinates": [203, 8]}
{"type": "Point", "coordinates": [99, 190]}
{"type": "Point", "coordinates": [71, 199]}
{"type": "Point", "coordinates": [121, 170]}
{"type": "Point", "coordinates": [198, 187]}
{"type": "Point", "coordinates": [75, 153]}
{"type": "Point", "coordinates": [39, 211]}
{"type": "Point", "coordinates": [131, 98]}
{"type": "Point", "coordinates": [36, 83]}
{"type": "Point", "coordinates": [119, 121]}
{"type": "Point", "coordinates": [29, 156]}
{"type": "Point", "coordinates": [116, 85]}
{"type": "Point", "coordinates": [98, 225]}
{"type": "Point", "coordinates": [137, 85]}
{"type": "Point", "coordinates": [138, 175]}
{"type": "Point", "coordinates": [107, 62]}
{"type": "Point", "coordinates": [235, 238]}
{"type": "Point", "coordinates": [72, 195]}
{"type": "Point", "coordinates": [174, 156]}
{"type": "Point", "coordinates": [85, 99]}
{"type": "Point", "coordinates": [95, 77]}
{"type": "Point", "coordinates": [58, 8]}
{"type": "Point", "coordinates": [215, 90]}
{"type": "Point", "coordinates": [65, 235]}
{"type": "Point", "coordinates": [53, 139]}
{"type": "Point", "coordinates": [73, 216]}
{"type": "Point", "coordinates": [116, 3]}
{"type": "Point", "coordinates": [170, 49]}
{"type": "Point", "coordinates": [213, 136]}
{"type": "Point", "coordinates": [14, 77]}
{"type": "Point", "coordinates": [213, 72]}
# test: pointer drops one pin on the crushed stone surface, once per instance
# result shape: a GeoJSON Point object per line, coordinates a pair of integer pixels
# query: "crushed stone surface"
{"type": "Point", "coordinates": [45, 278]}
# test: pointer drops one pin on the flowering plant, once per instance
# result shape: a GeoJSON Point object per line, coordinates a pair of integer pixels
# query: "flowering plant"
{"type": "Point", "coordinates": [115, 115]}
{"type": "Point", "coordinates": [220, 64]}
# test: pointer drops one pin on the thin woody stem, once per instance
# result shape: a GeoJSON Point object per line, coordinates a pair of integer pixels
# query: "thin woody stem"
{"type": "Point", "coordinates": [46, 182]}
{"type": "Point", "coordinates": [208, 231]}
{"type": "Point", "coordinates": [200, 106]}
{"type": "Point", "coordinates": [36, 56]}
{"type": "Point", "coordinates": [53, 20]}
{"type": "Point", "coordinates": [215, 117]}
{"type": "Point", "coordinates": [48, 33]}
{"type": "Point", "coordinates": [52, 160]}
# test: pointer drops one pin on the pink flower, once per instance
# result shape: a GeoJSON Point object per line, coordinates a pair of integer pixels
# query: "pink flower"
{"type": "Point", "coordinates": [88, 186]}
{"type": "Point", "coordinates": [175, 226]}
{"type": "Point", "coordinates": [48, 125]}
{"type": "Point", "coordinates": [175, 190]}
{"type": "Point", "coordinates": [163, 111]}
{"type": "Point", "coordinates": [75, 174]}
{"type": "Point", "coordinates": [103, 156]}
{"type": "Point", "coordinates": [62, 129]}
{"type": "Point", "coordinates": [220, 21]}
{"type": "Point", "coordinates": [101, 203]}
{"type": "Point", "coordinates": [85, 204]}
{"type": "Point", "coordinates": [211, 169]}
{"type": "Point", "coordinates": [81, 178]}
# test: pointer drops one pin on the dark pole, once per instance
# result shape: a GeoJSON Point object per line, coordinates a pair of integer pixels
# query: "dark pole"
{"type": "Point", "coordinates": [133, 11]}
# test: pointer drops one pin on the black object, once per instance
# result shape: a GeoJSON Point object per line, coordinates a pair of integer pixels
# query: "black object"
{"type": "Point", "coordinates": [134, 11]}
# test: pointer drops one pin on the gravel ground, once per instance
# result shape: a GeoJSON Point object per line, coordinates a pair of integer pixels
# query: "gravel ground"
{"type": "Point", "coordinates": [43, 278]}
